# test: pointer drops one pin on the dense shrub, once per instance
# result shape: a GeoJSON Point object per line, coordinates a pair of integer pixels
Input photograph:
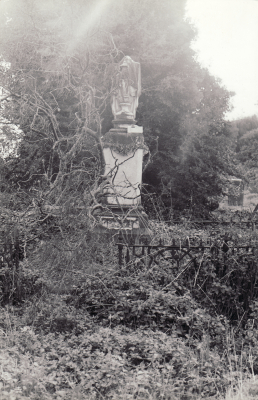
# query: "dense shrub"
{"type": "Point", "coordinates": [113, 363]}
{"type": "Point", "coordinates": [144, 300]}
{"type": "Point", "coordinates": [164, 296]}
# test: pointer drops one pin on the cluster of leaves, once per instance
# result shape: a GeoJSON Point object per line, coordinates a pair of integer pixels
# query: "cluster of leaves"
{"type": "Point", "coordinates": [146, 300]}
{"type": "Point", "coordinates": [165, 295]}
{"type": "Point", "coordinates": [102, 361]}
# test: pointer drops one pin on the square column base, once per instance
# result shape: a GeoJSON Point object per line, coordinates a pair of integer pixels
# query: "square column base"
{"type": "Point", "coordinates": [131, 223]}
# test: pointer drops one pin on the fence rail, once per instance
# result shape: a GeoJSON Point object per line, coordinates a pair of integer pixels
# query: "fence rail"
{"type": "Point", "coordinates": [235, 221]}
{"type": "Point", "coordinates": [179, 251]}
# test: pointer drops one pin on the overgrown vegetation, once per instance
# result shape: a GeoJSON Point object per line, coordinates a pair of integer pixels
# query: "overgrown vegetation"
{"type": "Point", "coordinates": [86, 328]}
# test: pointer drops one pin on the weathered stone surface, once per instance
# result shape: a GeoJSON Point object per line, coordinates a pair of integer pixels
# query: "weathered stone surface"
{"type": "Point", "coordinates": [125, 172]}
{"type": "Point", "coordinates": [125, 99]}
{"type": "Point", "coordinates": [123, 151]}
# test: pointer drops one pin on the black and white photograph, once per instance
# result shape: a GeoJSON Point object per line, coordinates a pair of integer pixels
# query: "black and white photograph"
{"type": "Point", "coordinates": [128, 199]}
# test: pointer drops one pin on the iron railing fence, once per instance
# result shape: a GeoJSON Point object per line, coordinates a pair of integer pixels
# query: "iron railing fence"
{"type": "Point", "coordinates": [183, 250]}
{"type": "Point", "coordinates": [233, 221]}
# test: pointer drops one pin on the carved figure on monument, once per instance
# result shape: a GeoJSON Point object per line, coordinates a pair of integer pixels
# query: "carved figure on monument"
{"type": "Point", "coordinates": [124, 101]}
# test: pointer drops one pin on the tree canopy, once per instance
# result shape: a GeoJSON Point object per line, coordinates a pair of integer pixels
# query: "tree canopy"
{"type": "Point", "coordinates": [58, 73]}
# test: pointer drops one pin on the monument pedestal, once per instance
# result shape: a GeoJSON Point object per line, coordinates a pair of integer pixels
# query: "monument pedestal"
{"type": "Point", "coordinates": [131, 223]}
{"type": "Point", "coordinates": [123, 151]}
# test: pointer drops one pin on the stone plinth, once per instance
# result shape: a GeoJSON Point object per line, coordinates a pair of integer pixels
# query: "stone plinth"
{"type": "Point", "coordinates": [125, 172]}
{"type": "Point", "coordinates": [132, 223]}
{"type": "Point", "coordinates": [123, 151]}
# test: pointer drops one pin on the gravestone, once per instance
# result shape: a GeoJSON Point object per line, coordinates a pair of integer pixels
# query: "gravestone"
{"type": "Point", "coordinates": [123, 151]}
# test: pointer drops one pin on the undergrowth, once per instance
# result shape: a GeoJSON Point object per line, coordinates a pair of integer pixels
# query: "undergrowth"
{"type": "Point", "coordinates": [87, 329]}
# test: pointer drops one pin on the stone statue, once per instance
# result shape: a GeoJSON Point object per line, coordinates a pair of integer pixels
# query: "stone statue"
{"type": "Point", "coordinates": [128, 89]}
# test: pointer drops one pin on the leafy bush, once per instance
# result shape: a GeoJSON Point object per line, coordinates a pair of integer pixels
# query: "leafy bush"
{"type": "Point", "coordinates": [111, 363]}
{"type": "Point", "coordinates": [162, 296]}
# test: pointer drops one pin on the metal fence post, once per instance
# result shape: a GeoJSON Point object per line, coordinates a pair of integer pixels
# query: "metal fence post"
{"type": "Point", "coordinates": [16, 249]}
{"type": "Point", "coordinates": [16, 263]}
{"type": "Point", "coordinates": [120, 250]}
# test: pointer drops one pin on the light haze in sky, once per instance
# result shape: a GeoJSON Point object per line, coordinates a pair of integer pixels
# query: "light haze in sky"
{"type": "Point", "coordinates": [227, 44]}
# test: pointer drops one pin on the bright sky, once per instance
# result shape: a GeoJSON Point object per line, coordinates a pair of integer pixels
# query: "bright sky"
{"type": "Point", "coordinates": [227, 44]}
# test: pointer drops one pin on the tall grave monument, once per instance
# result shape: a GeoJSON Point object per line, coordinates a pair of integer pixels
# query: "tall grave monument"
{"type": "Point", "coordinates": [123, 150]}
